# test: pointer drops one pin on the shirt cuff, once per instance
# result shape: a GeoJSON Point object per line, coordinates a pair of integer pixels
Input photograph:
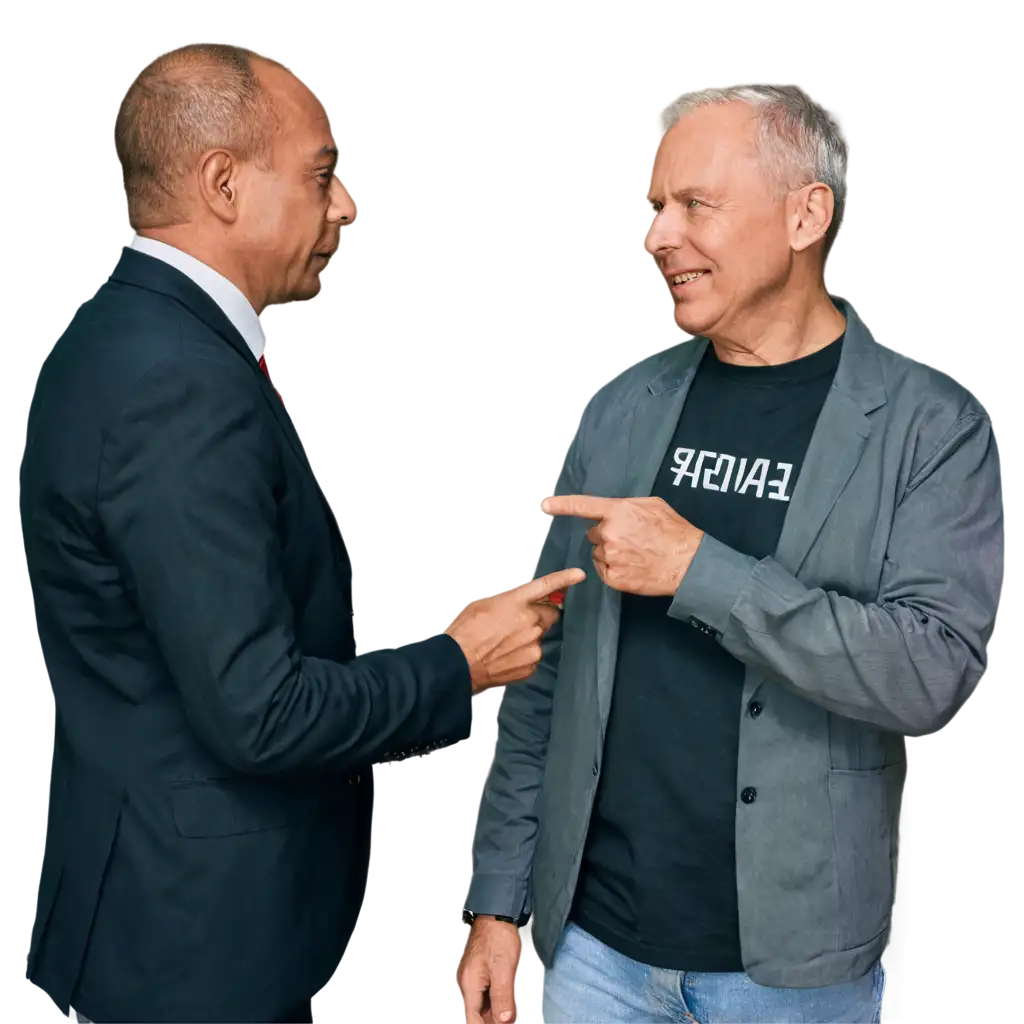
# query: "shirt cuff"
{"type": "Point", "coordinates": [714, 580]}
{"type": "Point", "coordinates": [504, 895]}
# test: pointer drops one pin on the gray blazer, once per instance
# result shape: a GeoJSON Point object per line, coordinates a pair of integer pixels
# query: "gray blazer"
{"type": "Point", "coordinates": [870, 623]}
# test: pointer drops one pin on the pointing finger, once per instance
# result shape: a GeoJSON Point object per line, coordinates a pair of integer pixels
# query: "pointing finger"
{"type": "Point", "coordinates": [584, 506]}
{"type": "Point", "coordinates": [538, 589]}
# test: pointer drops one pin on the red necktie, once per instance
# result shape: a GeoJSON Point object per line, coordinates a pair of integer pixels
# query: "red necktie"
{"type": "Point", "coordinates": [266, 373]}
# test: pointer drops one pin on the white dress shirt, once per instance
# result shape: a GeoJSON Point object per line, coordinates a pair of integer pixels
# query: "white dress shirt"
{"type": "Point", "coordinates": [234, 305]}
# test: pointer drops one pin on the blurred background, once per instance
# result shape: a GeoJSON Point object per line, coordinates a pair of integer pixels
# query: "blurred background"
{"type": "Point", "coordinates": [497, 156]}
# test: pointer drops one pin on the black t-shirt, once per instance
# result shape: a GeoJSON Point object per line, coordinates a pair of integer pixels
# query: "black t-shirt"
{"type": "Point", "coordinates": [658, 878]}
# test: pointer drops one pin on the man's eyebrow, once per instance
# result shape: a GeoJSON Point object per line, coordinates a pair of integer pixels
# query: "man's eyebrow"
{"type": "Point", "coordinates": [683, 195]}
{"type": "Point", "coordinates": [331, 151]}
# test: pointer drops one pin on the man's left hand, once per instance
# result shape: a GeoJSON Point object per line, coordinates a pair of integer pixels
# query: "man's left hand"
{"type": "Point", "coordinates": [641, 545]}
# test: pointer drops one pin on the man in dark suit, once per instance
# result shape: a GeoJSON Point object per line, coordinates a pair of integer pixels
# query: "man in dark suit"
{"type": "Point", "coordinates": [211, 791]}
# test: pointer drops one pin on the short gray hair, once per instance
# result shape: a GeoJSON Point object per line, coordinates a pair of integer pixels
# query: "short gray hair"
{"type": "Point", "coordinates": [193, 99]}
{"type": "Point", "coordinates": [799, 140]}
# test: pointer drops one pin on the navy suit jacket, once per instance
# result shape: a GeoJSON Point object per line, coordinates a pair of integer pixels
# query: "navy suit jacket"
{"type": "Point", "coordinates": [211, 791]}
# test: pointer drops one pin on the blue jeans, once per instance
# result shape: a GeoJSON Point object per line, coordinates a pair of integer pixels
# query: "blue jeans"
{"type": "Point", "coordinates": [592, 984]}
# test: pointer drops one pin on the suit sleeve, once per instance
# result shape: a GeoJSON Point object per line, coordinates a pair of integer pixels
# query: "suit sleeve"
{"type": "Point", "coordinates": [907, 662]}
{"type": "Point", "coordinates": [506, 830]}
{"type": "Point", "coordinates": [185, 493]}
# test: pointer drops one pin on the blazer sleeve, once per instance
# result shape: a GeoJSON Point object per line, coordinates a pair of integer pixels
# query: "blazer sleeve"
{"type": "Point", "coordinates": [185, 493]}
{"type": "Point", "coordinates": [506, 829]}
{"type": "Point", "coordinates": [907, 662]}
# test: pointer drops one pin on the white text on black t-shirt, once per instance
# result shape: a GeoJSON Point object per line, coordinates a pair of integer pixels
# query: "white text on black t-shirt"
{"type": "Point", "coordinates": [716, 477]}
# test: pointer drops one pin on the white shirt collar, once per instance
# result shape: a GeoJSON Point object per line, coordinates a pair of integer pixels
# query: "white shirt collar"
{"type": "Point", "coordinates": [234, 305]}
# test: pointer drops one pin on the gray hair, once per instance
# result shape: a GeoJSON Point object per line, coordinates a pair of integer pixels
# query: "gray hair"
{"type": "Point", "coordinates": [799, 140]}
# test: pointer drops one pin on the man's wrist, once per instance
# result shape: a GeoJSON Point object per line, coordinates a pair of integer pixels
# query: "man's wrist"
{"type": "Point", "coordinates": [711, 585]}
{"type": "Point", "coordinates": [685, 558]}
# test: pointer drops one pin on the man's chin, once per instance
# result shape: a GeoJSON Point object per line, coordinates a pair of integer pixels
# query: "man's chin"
{"type": "Point", "coordinates": [308, 289]}
{"type": "Point", "coordinates": [691, 319]}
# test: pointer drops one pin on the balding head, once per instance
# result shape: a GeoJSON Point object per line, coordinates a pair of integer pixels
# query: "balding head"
{"type": "Point", "coordinates": [228, 157]}
{"type": "Point", "coordinates": [187, 102]}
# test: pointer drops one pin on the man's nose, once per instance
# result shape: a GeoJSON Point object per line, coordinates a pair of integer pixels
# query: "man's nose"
{"type": "Point", "coordinates": [342, 207]}
{"type": "Point", "coordinates": [663, 234]}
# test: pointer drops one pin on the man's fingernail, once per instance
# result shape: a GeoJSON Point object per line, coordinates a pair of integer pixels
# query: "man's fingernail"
{"type": "Point", "coordinates": [507, 1015]}
{"type": "Point", "coordinates": [546, 504]}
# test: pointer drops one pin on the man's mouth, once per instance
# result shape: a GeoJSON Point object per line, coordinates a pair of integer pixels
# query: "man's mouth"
{"type": "Point", "coordinates": [686, 277]}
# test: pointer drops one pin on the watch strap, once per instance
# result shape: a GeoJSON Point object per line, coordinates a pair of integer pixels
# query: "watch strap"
{"type": "Point", "coordinates": [469, 917]}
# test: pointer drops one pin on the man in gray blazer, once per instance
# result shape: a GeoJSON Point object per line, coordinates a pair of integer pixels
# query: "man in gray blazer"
{"type": "Point", "coordinates": [799, 550]}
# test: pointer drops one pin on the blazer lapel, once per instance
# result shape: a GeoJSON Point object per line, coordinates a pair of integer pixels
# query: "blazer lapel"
{"type": "Point", "coordinates": [835, 449]}
{"type": "Point", "coordinates": [655, 418]}
{"type": "Point", "coordinates": [651, 426]}
{"type": "Point", "coordinates": [837, 443]}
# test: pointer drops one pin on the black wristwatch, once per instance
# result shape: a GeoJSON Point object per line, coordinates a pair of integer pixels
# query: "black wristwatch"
{"type": "Point", "coordinates": [468, 917]}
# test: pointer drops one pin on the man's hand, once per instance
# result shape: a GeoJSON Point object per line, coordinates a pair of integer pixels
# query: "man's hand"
{"type": "Point", "coordinates": [641, 545]}
{"type": "Point", "coordinates": [501, 635]}
{"type": "Point", "coordinates": [487, 972]}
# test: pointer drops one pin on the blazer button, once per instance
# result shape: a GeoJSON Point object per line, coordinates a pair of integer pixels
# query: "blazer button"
{"type": "Point", "coordinates": [594, 769]}
{"type": "Point", "coordinates": [749, 795]}
{"type": "Point", "coordinates": [755, 708]}
{"type": "Point", "coordinates": [354, 780]}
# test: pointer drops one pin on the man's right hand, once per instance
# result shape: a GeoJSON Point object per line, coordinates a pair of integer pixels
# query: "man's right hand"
{"type": "Point", "coordinates": [500, 636]}
{"type": "Point", "coordinates": [487, 973]}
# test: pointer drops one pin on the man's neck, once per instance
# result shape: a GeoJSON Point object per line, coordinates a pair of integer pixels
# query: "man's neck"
{"type": "Point", "coordinates": [186, 238]}
{"type": "Point", "coordinates": [790, 327]}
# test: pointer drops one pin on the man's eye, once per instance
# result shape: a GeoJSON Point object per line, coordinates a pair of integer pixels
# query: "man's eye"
{"type": "Point", "coordinates": [324, 177]}
{"type": "Point", "coordinates": [693, 204]}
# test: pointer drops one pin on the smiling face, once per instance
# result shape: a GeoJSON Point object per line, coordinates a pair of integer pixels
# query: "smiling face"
{"type": "Point", "coordinates": [720, 234]}
{"type": "Point", "coordinates": [292, 211]}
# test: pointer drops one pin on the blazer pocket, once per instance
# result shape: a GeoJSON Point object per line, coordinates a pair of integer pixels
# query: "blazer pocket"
{"type": "Point", "coordinates": [231, 807]}
{"type": "Point", "coordinates": [865, 815]}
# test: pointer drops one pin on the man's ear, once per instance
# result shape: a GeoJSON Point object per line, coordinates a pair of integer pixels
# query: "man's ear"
{"type": "Point", "coordinates": [218, 184]}
{"type": "Point", "coordinates": [809, 215]}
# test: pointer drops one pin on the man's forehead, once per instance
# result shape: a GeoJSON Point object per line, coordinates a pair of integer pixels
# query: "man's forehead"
{"type": "Point", "coordinates": [291, 97]}
{"type": "Point", "coordinates": [710, 127]}
{"type": "Point", "coordinates": [305, 125]}
{"type": "Point", "coordinates": [708, 137]}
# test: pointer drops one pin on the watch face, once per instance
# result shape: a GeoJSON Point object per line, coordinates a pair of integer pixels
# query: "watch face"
{"type": "Point", "coordinates": [467, 917]}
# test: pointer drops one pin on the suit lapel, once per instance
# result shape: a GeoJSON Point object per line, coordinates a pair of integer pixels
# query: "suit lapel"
{"type": "Point", "coordinates": [143, 271]}
{"type": "Point", "coordinates": [284, 420]}
{"type": "Point", "coordinates": [288, 428]}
